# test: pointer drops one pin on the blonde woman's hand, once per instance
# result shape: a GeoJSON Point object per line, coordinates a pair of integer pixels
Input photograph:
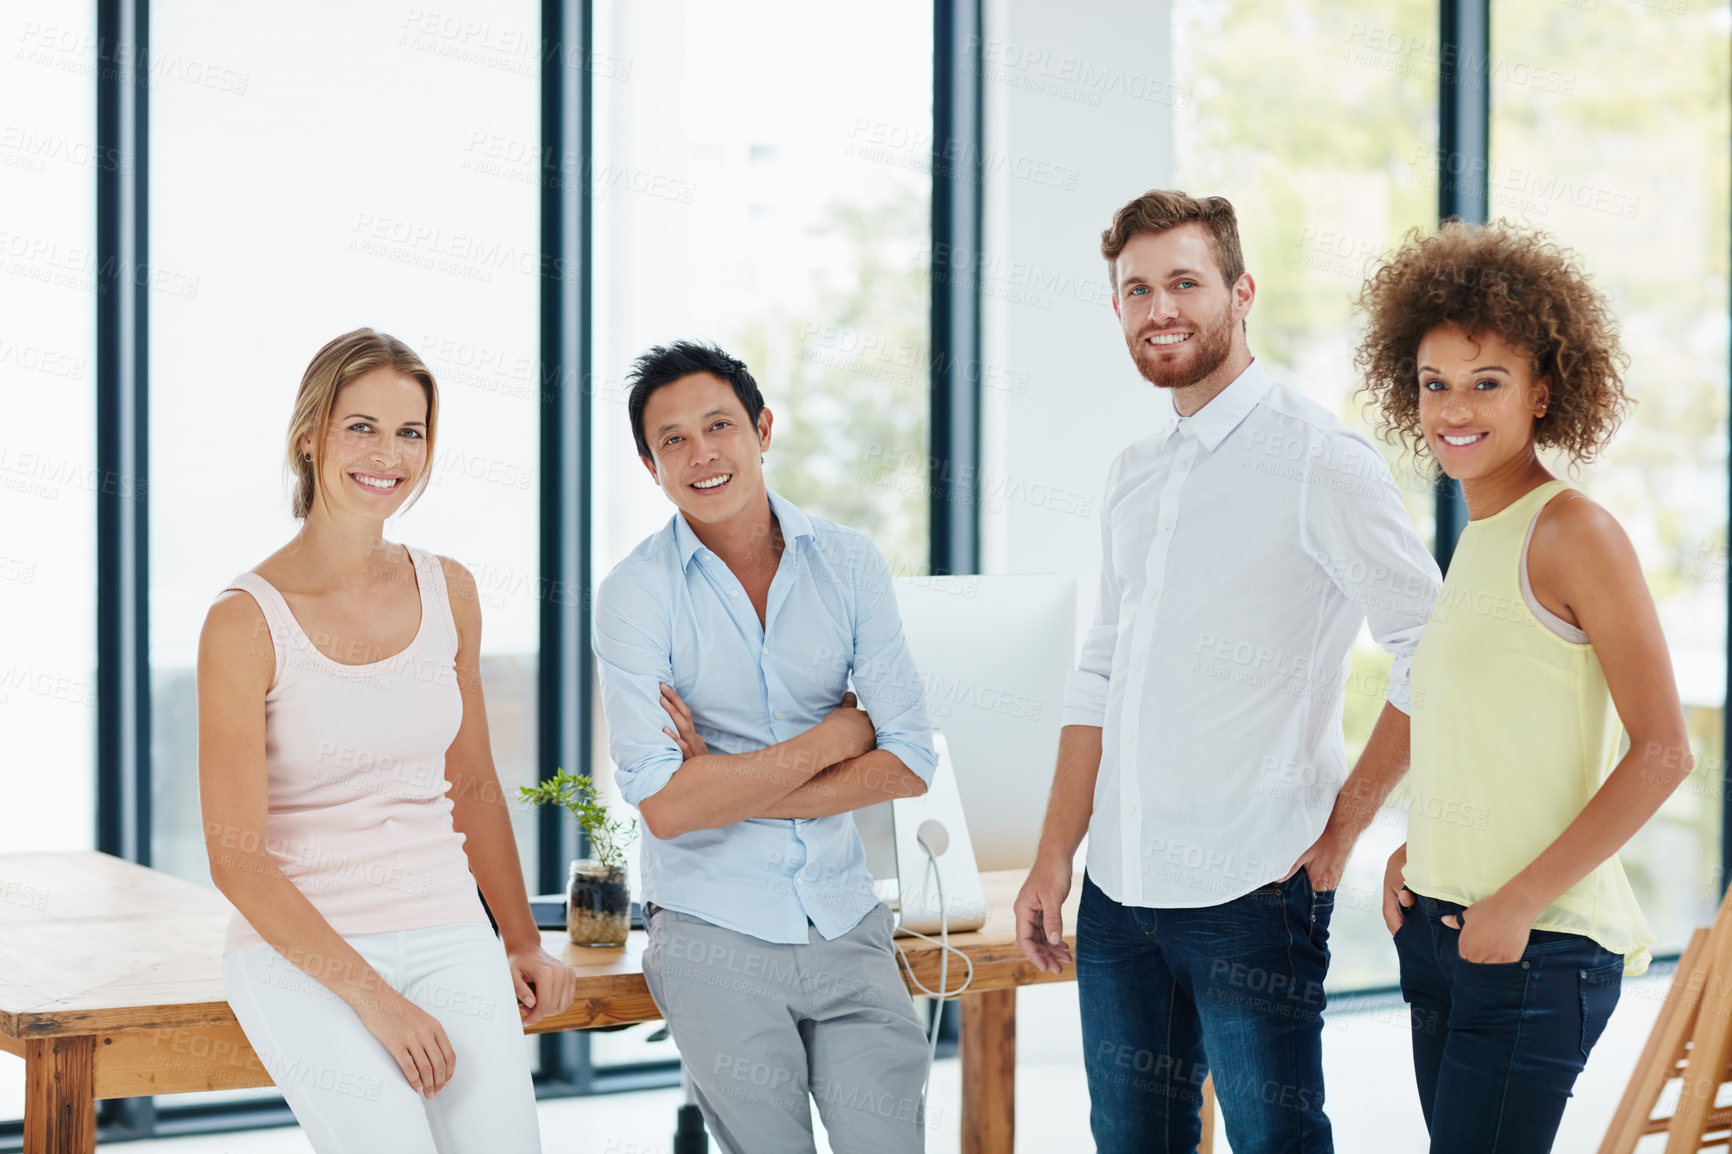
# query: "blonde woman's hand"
{"type": "Point", "coordinates": [414, 1038]}
{"type": "Point", "coordinates": [545, 985]}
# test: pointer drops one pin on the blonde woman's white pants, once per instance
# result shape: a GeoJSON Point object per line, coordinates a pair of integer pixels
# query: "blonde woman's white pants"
{"type": "Point", "coordinates": [346, 1090]}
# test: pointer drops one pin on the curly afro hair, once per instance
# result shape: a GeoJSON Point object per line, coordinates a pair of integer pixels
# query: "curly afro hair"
{"type": "Point", "coordinates": [1507, 280]}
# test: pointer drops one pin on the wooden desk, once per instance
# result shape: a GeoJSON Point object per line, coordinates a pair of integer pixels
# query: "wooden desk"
{"type": "Point", "coordinates": [111, 987]}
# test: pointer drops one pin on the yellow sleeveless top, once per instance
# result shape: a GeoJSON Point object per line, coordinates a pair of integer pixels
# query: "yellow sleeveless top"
{"type": "Point", "coordinates": [1513, 731]}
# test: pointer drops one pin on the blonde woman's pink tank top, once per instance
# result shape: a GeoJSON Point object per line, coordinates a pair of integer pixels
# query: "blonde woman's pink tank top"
{"type": "Point", "coordinates": [359, 819]}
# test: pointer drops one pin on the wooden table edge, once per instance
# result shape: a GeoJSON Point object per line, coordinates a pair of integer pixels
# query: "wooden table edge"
{"type": "Point", "coordinates": [628, 1002]}
{"type": "Point", "coordinates": [55, 1022]}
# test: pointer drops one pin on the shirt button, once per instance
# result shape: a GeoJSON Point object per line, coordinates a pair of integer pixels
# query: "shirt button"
{"type": "Point", "coordinates": [778, 715]}
{"type": "Point", "coordinates": [1130, 808]}
{"type": "Point", "coordinates": [1154, 593]}
{"type": "Point", "coordinates": [766, 651]}
{"type": "Point", "coordinates": [1167, 524]}
{"type": "Point", "coordinates": [799, 881]}
{"type": "Point", "coordinates": [1129, 738]}
{"type": "Point", "coordinates": [1183, 464]}
{"type": "Point", "coordinates": [733, 593]}
{"type": "Point", "coordinates": [1137, 665]}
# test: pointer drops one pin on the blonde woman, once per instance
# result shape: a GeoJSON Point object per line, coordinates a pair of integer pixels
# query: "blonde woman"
{"type": "Point", "coordinates": [351, 804]}
{"type": "Point", "coordinates": [1513, 919]}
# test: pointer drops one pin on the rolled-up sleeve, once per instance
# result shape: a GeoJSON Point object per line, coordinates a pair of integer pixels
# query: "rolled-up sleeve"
{"type": "Point", "coordinates": [1354, 525]}
{"type": "Point", "coordinates": [1085, 687]}
{"type": "Point", "coordinates": [634, 654]}
{"type": "Point", "coordinates": [885, 679]}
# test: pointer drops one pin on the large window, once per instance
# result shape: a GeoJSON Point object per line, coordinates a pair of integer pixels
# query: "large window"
{"type": "Point", "coordinates": [49, 480]}
{"type": "Point", "coordinates": [756, 188]}
{"type": "Point", "coordinates": [1638, 187]}
{"type": "Point", "coordinates": [1319, 122]}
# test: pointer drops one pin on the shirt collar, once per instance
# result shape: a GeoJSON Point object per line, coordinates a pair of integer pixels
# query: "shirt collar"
{"type": "Point", "coordinates": [795, 524]}
{"type": "Point", "coordinates": [1211, 423]}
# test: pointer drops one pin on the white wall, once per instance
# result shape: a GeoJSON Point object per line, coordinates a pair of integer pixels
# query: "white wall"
{"type": "Point", "coordinates": [1079, 105]}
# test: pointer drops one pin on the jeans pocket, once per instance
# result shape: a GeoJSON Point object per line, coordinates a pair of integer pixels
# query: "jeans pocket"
{"type": "Point", "coordinates": [1600, 988]}
{"type": "Point", "coordinates": [1489, 974]}
{"type": "Point", "coordinates": [1318, 897]}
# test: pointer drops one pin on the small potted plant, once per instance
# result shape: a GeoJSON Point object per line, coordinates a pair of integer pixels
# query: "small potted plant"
{"type": "Point", "coordinates": [598, 896]}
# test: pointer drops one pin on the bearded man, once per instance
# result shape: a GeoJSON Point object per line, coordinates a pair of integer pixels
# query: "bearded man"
{"type": "Point", "coordinates": [1244, 543]}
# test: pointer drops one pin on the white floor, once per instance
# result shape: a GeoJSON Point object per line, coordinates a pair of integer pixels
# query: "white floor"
{"type": "Point", "coordinates": [1369, 1072]}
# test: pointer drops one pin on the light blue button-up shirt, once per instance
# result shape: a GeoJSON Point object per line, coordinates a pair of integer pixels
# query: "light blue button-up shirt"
{"type": "Point", "coordinates": [673, 612]}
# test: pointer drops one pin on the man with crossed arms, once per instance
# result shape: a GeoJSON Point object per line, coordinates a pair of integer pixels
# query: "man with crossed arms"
{"type": "Point", "coordinates": [726, 642]}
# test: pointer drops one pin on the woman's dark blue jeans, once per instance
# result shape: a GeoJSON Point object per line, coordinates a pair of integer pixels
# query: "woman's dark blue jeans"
{"type": "Point", "coordinates": [1168, 994]}
{"type": "Point", "coordinates": [1496, 1048]}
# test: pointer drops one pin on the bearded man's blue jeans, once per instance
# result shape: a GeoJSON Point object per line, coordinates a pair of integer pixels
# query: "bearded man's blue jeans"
{"type": "Point", "coordinates": [1169, 995]}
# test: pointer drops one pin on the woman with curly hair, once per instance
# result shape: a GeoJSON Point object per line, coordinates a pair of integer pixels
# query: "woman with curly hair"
{"type": "Point", "coordinates": [1512, 917]}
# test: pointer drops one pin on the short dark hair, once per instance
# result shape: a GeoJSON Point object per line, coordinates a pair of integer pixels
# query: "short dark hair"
{"type": "Point", "coordinates": [665, 364]}
{"type": "Point", "coordinates": [1158, 210]}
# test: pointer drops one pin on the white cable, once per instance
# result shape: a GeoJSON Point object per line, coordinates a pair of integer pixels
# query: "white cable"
{"type": "Point", "coordinates": [945, 949]}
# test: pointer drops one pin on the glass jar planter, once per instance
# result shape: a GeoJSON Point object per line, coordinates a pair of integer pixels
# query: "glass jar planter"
{"type": "Point", "coordinates": [598, 904]}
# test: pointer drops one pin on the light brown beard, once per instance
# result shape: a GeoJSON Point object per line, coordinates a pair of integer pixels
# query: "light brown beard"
{"type": "Point", "coordinates": [1214, 345]}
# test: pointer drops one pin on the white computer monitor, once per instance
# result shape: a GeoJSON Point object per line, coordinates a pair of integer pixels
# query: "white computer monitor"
{"type": "Point", "coordinates": [993, 652]}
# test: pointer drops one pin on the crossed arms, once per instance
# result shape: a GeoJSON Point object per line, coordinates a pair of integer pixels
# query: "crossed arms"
{"type": "Point", "coordinates": [852, 757]}
{"type": "Point", "coordinates": [833, 767]}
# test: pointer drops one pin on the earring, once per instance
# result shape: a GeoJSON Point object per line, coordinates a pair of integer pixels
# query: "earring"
{"type": "Point", "coordinates": [306, 456]}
